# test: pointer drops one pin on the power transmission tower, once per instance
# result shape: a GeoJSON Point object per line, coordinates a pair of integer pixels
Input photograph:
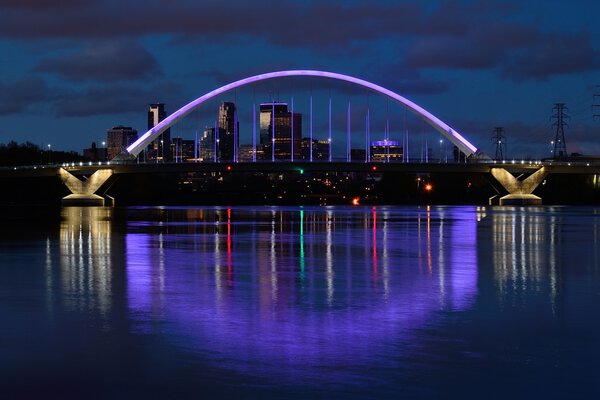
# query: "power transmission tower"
{"type": "Point", "coordinates": [499, 139]}
{"type": "Point", "coordinates": [596, 103]}
{"type": "Point", "coordinates": [559, 117]}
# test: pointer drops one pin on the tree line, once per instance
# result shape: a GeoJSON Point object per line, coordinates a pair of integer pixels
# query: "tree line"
{"type": "Point", "coordinates": [13, 153]}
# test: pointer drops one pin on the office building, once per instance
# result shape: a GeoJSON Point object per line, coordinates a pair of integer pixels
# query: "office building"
{"type": "Point", "coordinates": [159, 149]}
{"type": "Point", "coordinates": [320, 149]}
{"type": "Point", "coordinates": [245, 153]}
{"type": "Point", "coordinates": [219, 145]}
{"type": "Point", "coordinates": [276, 127]}
{"type": "Point", "coordinates": [386, 150]}
{"type": "Point", "coordinates": [118, 139]}
{"type": "Point", "coordinates": [95, 153]}
{"type": "Point", "coordinates": [182, 149]}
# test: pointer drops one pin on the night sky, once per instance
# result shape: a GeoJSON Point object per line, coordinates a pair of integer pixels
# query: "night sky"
{"type": "Point", "coordinates": [71, 69]}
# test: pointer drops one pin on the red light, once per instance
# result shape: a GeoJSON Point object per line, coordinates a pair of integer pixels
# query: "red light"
{"type": "Point", "coordinates": [428, 187]}
{"type": "Point", "coordinates": [374, 167]}
{"type": "Point", "coordinates": [228, 168]}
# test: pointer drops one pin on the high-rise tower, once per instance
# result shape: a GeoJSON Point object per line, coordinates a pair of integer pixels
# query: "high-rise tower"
{"type": "Point", "coordinates": [160, 148]}
{"type": "Point", "coordinates": [228, 131]}
{"type": "Point", "coordinates": [280, 132]}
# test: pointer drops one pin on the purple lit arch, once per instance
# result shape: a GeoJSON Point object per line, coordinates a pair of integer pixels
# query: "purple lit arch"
{"type": "Point", "coordinates": [456, 138]}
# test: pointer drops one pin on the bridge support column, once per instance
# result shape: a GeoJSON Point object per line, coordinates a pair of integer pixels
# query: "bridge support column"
{"type": "Point", "coordinates": [83, 192]}
{"type": "Point", "coordinates": [519, 192]}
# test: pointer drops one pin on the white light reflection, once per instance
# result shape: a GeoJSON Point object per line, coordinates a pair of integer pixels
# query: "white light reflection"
{"type": "Point", "coordinates": [385, 270]}
{"type": "Point", "coordinates": [273, 258]}
{"type": "Point", "coordinates": [524, 252]}
{"type": "Point", "coordinates": [85, 235]}
{"type": "Point", "coordinates": [49, 284]}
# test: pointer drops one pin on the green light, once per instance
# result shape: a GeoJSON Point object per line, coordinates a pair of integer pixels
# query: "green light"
{"type": "Point", "coordinates": [301, 171]}
{"type": "Point", "coordinates": [302, 260]}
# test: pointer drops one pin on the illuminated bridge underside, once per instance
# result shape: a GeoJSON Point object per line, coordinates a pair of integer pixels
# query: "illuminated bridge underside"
{"type": "Point", "coordinates": [456, 138]}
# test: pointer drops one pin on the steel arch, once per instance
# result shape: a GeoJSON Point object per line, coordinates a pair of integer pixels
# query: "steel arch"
{"type": "Point", "coordinates": [456, 138]}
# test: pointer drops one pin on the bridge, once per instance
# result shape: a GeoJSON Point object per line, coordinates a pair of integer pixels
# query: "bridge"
{"type": "Point", "coordinates": [520, 191]}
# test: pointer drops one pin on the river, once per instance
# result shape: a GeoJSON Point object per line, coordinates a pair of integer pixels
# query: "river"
{"type": "Point", "coordinates": [301, 302]}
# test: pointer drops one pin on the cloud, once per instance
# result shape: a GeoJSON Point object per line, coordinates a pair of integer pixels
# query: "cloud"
{"type": "Point", "coordinates": [20, 96]}
{"type": "Point", "coordinates": [519, 52]}
{"type": "Point", "coordinates": [116, 99]}
{"type": "Point", "coordinates": [553, 55]}
{"type": "Point", "coordinates": [104, 61]}
{"type": "Point", "coordinates": [452, 53]}
{"type": "Point", "coordinates": [42, 5]}
{"type": "Point", "coordinates": [451, 34]}
{"type": "Point", "coordinates": [324, 25]}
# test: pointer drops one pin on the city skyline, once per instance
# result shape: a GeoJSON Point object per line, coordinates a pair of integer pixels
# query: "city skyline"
{"type": "Point", "coordinates": [83, 69]}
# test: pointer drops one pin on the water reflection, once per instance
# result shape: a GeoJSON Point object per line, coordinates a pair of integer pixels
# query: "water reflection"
{"type": "Point", "coordinates": [298, 287]}
{"type": "Point", "coordinates": [524, 251]}
{"type": "Point", "coordinates": [390, 296]}
{"type": "Point", "coordinates": [85, 246]}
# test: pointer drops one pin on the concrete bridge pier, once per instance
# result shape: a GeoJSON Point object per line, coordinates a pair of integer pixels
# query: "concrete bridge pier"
{"type": "Point", "coordinates": [83, 192]}
{"type": "Point", "coordinates": [519, 192]}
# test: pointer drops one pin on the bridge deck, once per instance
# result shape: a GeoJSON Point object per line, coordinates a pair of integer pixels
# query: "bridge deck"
{"type": "Point", "coordinates": [283, 166]}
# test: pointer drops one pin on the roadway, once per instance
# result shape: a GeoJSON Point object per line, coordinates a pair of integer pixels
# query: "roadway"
{"type": "Point", "coordinates": [514, 167]}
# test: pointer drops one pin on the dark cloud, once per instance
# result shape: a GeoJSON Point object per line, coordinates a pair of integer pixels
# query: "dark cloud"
{"type": "Point", "coordinates": [450, 53]}
{"type": "Point", "coordinates": [20, 96]}
{"type": "Point", "coordinates": [554, 55]}
{"type": "Point", "coordinates": [453, 34]}
{"type": "Point", "coordinates": [287, 23]}
{"type": "Point", "coordinates": [42, 5]}
{"type": "Point", "coordinates": [104, 61]}
{"type": "Point", "coordinates": [114, 99]}
{"type": "Point", "coordinates": [518, 51]}
{"type": "Point", "coordinates": [406, 81]}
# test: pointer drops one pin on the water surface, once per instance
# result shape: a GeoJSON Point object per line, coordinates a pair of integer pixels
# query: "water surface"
{"type": "Point", "coordinates": [386, 302]}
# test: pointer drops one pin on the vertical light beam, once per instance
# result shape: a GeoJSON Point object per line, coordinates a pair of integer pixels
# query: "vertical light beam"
{"type": "Point", "coordinates": [311, 130]}
{"type": "Point", "coordinates": [329, 129]}
{"type": "Point", "coordinates": [254, 132]}
{"type": "Point", "coordinates": [348, 145]}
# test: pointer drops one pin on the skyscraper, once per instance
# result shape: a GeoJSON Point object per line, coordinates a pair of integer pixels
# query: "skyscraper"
{"type": "Point", "coordinates": [212, 147]}
{"type": "Point", "coordinates": [207, 145]}
{"type": "Point", "coordinates": [277, 125]}
{"type": "Point", "coordinates": [118, 138]}
{"type": "Point", "coordinates": [227, 117]}
{"type": "Point", "coordinates": [228, 131]}
{"type": "Point", "coordinates": [160, 148]}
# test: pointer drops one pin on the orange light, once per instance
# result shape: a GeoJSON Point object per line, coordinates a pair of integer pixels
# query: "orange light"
{"type": "Point", "coordinates": [228, 168]}
{"type": "Point", "coordinates": [356, 201]}
{"type": "Point", "coordinates": [428, 187]}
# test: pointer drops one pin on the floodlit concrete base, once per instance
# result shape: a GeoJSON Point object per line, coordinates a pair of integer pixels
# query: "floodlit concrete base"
{"type": "Point", "coordinates": [83, 200]}
{"type": "Point", "coordinates": [520, 200]}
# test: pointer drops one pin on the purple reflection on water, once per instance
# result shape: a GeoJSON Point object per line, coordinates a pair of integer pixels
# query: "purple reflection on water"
{"type": "Point", "coordinates": [275, 292]}
{"type": "Point", "coordinates": [145, 276]}
{"type": "Point", "coordinates": [463, 238]}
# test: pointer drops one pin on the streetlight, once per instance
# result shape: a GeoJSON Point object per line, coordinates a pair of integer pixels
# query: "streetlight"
{"type": "Point", "coordinates": [104, 155]}
{"type": "Point", "coordinates": [49, 153]}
